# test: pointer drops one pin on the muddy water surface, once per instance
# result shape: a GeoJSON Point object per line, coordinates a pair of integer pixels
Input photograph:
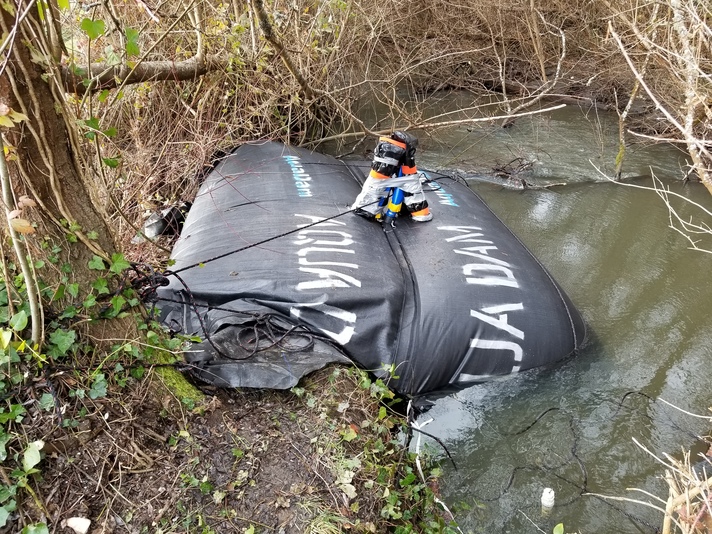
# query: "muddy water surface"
{"type": "Point", "coordinates": [646, 298]}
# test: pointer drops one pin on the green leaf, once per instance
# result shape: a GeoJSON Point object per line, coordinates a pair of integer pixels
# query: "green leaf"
{"type": "Point", "coordinates": [97, 263]}
{"type": "Point", "coordinates": [101, 286]}
{"type": "Point", "coordinates": [103, 95]}
{"type": "Point", "coordinates": [47, 402]}
{"type": "Point", "coordinates": [118, 263]}
{"type": "Point", "coordinates": [32, 456]}
{"type": "Point", "coordinates": [132, 48]}
{"type": "Point", "coordinates": [5, 337]}
{"type": "Point", "coordinates": [63, 4]}
{"type": "Point", "coordinates": [92, 123]}
{"type": "Point", "coordinates": [18, 322]}
{"type": "Point", "coordinates": [111, 132]}
{"type": "Point", "coordinates": [349, 434]}
{"type": "Point", "coordinates": [93, 28]}
{"type": "Point", "coordinates": [15, 413]}
{"type": "Point", "coordinates": [39, 528]}
{"type": "Point", "coordinates": [117, 303]}
{"type": "Point", "coordinates": [110, 56]}
{"type": "Point", "coordinates": [89, 301]}
{"type": "Point", "coordinates": [73, 290]}
{"type": "Point", "coordinates": [559, 529]}
{"type": "Point", "coordinates": [98, 387]}
{"type": "Point", "coordinates": [62, 340]}
{"type": "Point", "coordinates": [68, 313]}
{"type": "Point", "coordinates": [4, 438]}
{"type": "Point", "coordinates": [112, 163]}
{"type": "Point", "coordinates": [4, 514]}
{"type": "Point", "coordinates": [138, 372]}
{"type": "Point", "coordinates": [16, 116]}
{"type": "Point", "coordinates": [10, 8]}
{"type": "Point", "coordinates": [408, 480]}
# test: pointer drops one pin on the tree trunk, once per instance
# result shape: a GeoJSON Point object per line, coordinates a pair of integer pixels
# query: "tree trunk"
{"type": "Point", "coordinates": [42, 163]}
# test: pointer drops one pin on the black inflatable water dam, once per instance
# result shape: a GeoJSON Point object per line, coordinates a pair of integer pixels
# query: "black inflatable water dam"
{"type": "Point", "coordinates": [438, 305]}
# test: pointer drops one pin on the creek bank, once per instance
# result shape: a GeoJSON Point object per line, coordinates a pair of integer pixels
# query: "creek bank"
{"type": "Point", "coordinates": [322, 457]}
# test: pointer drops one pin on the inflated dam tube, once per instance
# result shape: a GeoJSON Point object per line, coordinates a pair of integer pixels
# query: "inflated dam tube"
{"type": "Point", "coordinates": [278, 279]}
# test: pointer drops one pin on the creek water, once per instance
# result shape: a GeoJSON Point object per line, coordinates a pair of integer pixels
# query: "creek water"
{"type": "Point", "coordinates": [646, 299]}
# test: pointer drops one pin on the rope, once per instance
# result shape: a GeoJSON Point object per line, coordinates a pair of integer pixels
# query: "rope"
{"type": "Point", "coordinates": [258, 243]}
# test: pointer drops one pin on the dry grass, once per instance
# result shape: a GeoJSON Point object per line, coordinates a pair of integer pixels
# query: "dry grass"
{"type": "Point", "coordinates": [342, 52]}
{"type": "Point", "coordinates": [167, 131]}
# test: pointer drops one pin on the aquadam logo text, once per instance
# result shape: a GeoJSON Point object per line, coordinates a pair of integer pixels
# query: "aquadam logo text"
{"type": "Point", "coordinates": [301, 177]}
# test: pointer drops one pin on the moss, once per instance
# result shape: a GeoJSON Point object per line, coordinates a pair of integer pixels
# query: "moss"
{"type": "Point", "coordinates": [177, 384]}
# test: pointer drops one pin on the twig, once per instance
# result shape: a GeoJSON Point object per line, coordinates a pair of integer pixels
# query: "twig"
{"type": "Point", "coordinates": [21, 252]}
{"type": "Point", "coordinates": [684, 411]}
{"type": "Point", "coordinates": [532, 522]}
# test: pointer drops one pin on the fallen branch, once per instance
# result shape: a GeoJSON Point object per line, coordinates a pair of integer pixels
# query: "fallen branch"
{"type": "Point", "coordinates": [109, 77]}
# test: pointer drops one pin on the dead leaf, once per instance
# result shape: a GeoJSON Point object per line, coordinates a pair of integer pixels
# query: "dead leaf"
{"type": "Point", "coordinates": [27, 202]}
{"type": "Point", "coordinates": [14, 213]}
{"type": "Point", "coordinates": [22, 226]}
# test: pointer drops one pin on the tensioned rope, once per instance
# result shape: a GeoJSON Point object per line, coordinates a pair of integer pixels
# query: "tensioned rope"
{"type": "Point", "coordinates": [275, 237]}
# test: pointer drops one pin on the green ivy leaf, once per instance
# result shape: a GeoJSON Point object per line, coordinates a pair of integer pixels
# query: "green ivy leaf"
{"type": "Point", "coordinates": [32, 456]}
{"type": "Point", "coordinates": [101, 286]}
{"type": "Point", "coordinates": [110, 56]}
{"type": "Point", "coordinates": [15, 414]}
{"type": "Point", "coordinates": [111, 132]}
{"type": "Point", "coordinates": [408, 480]}
{"type": "Point", "coordinates": [99, 387]}
{"type": "Point", "coordinates": [5, 513]}
{"type": "Point", "coordinates": [73, 290]}
{"type": "Point", "coordinates": [559, 529]}
{"type": "Point", "coordinates": [39, 528]}
{"type": "Point", "coordinates": [89, 301]}
{"type": "Point", "coordinates": [103, 95]}
{"type": "Point", "coordinates": [62, 340]}
{"type": "Point", "coordinates": [97, 263]}
{"type": "Point", "coordinates": [93, 28]}
{"type": "Point", "coordinates": [93, 124]}
{"type": "Point", "coordinates": [47, 402]}
{"type": "Point", "coordinates": [68, 313]}
{"type": "Point", "coordinates": [138, 372]}
{"type": "Point", "coordinates": [118, 263]}
{"type": "Point", "coordinates": [18, 322]}
{"type": "Point", "coordinates": [4, 438]}
{"type": "Point", "coordinates": [117, 303]}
